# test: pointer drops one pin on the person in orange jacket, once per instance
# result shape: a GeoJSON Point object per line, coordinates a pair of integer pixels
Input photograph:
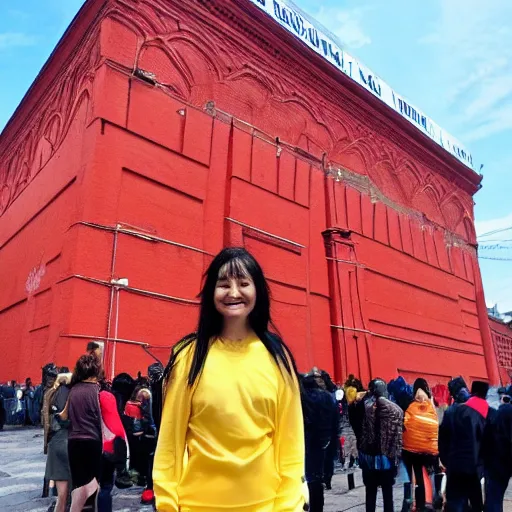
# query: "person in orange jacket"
{"type": "Point", "coordinates": [420, 442]}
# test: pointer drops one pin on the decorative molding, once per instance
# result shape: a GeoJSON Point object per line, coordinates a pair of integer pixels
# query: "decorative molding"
{"type": "Point", "coordinates": [40, 137]}
{"type": "Point", "coordinates": [196, 52]}
{"type": "Point", "coordinates": [281, 97]}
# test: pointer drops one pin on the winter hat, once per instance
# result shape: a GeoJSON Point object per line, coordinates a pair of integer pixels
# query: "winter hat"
{"type": "Point", "coordinates": [479, 389]}
{"type": "Point", "coordinates": [459, 390]}
{"type": "Point", "coordinates": [378, 388]}
{"type": "Point", "coordinates": [155, 371]}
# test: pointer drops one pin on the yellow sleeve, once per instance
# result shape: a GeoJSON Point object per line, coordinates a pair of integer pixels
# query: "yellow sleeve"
{"type": "Point", "coordinates": [290, 447]}
{"type": "Point", "coordinates": [170, 451]}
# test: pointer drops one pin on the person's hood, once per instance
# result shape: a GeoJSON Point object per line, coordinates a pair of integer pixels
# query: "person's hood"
{"type": "Point", "coordinates": [421, 396]}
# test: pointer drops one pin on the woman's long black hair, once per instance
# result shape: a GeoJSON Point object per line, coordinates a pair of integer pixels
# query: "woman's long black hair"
{"type": "Point", "coordinates": [234, 262]}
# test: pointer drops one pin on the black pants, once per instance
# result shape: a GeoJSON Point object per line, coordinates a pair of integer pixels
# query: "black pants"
{"type": "Point", "coordinates": [462, 488]}
{"type": "Point", "coordinates": [330, 454]}
{"type": "Point", "coordinates": [373, 480]}
{"type": "Point", "coordinates": [315, 459]}
{"type": "Point", "coordinates": [106, 485]}
{"type": "Point", "coordinates": [151, 447]}
{"type": "Point", "coordinates": [495, 490]}
{"type": "Point", "coordinates": [414, 463]}
{"type": "Point", "coordinates": [316, 496]}
{"type": "Point", "coordinates": [143, 456]}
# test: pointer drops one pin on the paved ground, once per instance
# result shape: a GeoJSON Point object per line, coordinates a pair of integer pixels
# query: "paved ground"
{"type": "Point", "coordinates": [22, 466]}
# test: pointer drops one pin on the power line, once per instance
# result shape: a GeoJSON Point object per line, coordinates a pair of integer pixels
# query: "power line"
{"type": "Point", "coordinates": [495, 259]}
{"type": "Point", "coordinates": [494, 247]}
{"type": "Point", "coordinates": [496, 240]}
{"type": "Point", "coordinates": [489, 233]}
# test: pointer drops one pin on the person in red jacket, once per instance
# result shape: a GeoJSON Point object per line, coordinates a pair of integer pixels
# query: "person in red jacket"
{"type": "Point", "coordinates": [115, 447]}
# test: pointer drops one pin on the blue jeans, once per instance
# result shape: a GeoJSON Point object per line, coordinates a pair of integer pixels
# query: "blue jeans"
{"type": "Point", "coordinates": [495, 493]}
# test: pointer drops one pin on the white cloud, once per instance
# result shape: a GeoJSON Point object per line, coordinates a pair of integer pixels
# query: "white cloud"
{"type": "Point", "coordinates": [497, 291]}
{"type": "Point", "coordinates": [497, 121]}
{"type": "Point", "coordinates": [12, 39]}
{"type": "Point", "coordinates": [475, 59]}
{"type": "Point", "coordinates": [345, 24]}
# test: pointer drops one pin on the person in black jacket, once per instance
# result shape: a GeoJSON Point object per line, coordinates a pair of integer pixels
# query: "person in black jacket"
{"type": "Point", "coordinates": [460, 449]}
{"type": "Point", "coordinates": [320, 414]}
{"type": "Point", "coordinates": [378, 425]}
{"type": "Point", "coordinates": [155, 375]}
{"type": "Point", "coordinates": [332, 450]}
{"type": "Point", "coordinates": [498, 453]}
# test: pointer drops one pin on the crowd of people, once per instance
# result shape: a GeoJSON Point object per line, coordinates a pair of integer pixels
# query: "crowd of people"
{"type": "Point", "coordinates": [98, 434]}
{"type": "Point", "coordinates": [230, 424]}
{"type": "Point", "coordinates": [459, 454]}
{"type": "Point", "coordinates": [20, 403]}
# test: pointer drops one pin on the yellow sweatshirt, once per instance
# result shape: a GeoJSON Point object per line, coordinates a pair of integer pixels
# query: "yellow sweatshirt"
{"type": "Point", "coordinates": [234, 441]}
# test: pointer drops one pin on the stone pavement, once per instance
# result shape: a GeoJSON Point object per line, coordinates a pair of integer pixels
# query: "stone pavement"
{"type": "Point", "coordinates": [22, 466]}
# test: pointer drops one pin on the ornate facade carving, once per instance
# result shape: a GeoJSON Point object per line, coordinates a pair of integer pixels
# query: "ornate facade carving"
{"type": "Point", "coordinates": [47, 125]}
{"type": "Point", "coordinates": [196, 61]}
{"type": "Point", "coordinates": [196, 51]}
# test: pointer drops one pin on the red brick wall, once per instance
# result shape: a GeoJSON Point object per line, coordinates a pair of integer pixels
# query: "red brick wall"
{"type": "Point", "coordinates": [364, 232]}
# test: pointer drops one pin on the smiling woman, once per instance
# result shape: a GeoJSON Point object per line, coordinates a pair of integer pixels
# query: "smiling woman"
{"type": "Point", "coordinates": [235, 294]}
{"type": "Point", "coordinates": [232, 430]}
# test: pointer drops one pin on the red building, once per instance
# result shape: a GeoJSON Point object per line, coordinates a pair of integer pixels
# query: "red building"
{"type": "Point", "coordinates": [502, 338]}
{"type": "Point", "coordinates": [159, 132]}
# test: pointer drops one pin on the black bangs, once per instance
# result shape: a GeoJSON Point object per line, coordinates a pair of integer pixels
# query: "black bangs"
{"type": "Point", "coordinates": [234, 269]}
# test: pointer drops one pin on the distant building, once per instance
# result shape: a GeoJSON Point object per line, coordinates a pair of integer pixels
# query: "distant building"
{"type": "Point", "coordinates": [505, 318]}
{"type": "Point", "coordinates": [501, 331]}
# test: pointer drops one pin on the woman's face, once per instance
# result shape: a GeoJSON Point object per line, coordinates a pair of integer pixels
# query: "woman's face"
{"type": "Point", "coordinates": [234, 297]}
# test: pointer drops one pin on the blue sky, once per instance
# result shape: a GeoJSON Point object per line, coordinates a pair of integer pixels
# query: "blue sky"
{"type": "Point", "coordinates": [451, 58]}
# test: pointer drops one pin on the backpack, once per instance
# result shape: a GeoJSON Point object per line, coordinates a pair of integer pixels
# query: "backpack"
{"type": "Point", "coordinates": [421, 428]}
